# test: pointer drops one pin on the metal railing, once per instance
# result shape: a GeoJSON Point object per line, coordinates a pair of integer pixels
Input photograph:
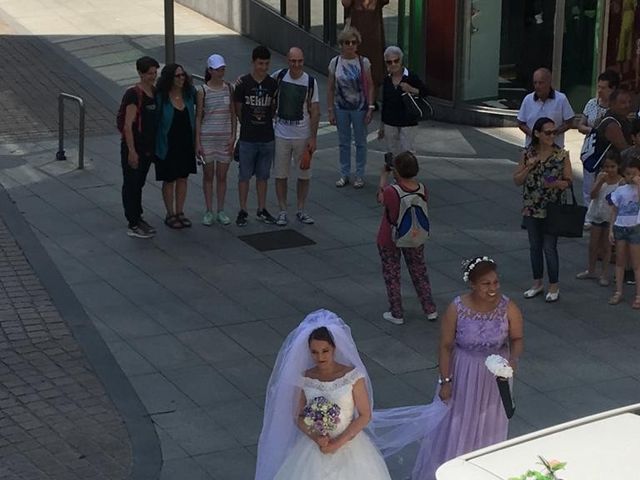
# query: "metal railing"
{"type": "Point", "coordinates": [60, 154]}
{"type": "Point", "coordinates": [197, 77]}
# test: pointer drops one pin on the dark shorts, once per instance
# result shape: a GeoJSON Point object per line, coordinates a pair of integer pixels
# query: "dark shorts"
{"type": "Point", "coordinates": [630, 235]}
{"type": "Point", "coordinates": [600, 224]}
{"type": "Point", "coordinates": [256, 159]}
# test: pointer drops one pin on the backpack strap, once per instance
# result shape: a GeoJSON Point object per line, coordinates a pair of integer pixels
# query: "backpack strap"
{"type": "Point", "coordinates": [139, 94]}
{"type": "Point", "coordinates": [363, 80]}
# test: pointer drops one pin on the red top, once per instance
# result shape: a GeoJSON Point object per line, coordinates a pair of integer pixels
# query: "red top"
{"type": "Point", "coordinates": [391, 202]}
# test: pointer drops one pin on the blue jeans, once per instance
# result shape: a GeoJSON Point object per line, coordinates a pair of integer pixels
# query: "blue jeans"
{"type": "Point", "coordinates": [542, 246]}
{"type": "Point", "coordinates": [344, 120]}
{"type": "Point", "coordinates": [256, 159]}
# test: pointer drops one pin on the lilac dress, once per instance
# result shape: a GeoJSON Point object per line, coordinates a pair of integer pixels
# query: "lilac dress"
{"type": "Point", "coordinates": [476, 417]}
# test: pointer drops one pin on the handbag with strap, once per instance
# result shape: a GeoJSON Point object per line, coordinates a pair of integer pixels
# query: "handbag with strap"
{"type": "Point", "coordinates": [416, 106]}
{"type": "Point", "coordinates": [565, 219]}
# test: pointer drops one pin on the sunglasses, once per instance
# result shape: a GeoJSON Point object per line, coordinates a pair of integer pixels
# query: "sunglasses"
{"type": "Point", "coordinates": [391, 62]}
{"type": "Point", "coordinates": [180, 75]}
{"type": "Point", "coordinates": [350, 42]}
{"type": "Point", "coordinates": [549, 133]}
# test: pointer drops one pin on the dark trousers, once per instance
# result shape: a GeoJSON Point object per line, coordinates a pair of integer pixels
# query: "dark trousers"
{"type": "Point", "coordinates": [132, 182]}
{"type": "Point", "coordinates": [542, 246]}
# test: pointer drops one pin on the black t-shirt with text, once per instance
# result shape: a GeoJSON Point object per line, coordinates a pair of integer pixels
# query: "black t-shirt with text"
{"type": "Point", "coordinates": [258, 102]}
{"type": "Point", "coordinates": [144, 135]}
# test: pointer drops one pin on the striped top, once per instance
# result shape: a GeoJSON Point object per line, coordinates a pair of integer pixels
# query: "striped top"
{"type": "Point", "coordinates": [216, 122]}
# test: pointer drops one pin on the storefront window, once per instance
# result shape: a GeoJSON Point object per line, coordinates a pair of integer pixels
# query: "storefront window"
{"type": "Point", "coordinates": [623, 42]}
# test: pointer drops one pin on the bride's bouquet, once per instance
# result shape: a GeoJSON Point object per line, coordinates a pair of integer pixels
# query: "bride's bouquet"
{"type": "Point", "coordinates": [321, 416]}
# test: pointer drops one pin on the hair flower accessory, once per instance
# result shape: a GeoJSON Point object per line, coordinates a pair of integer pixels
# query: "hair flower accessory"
{"type": "Point", "coordinates": [469, 265]}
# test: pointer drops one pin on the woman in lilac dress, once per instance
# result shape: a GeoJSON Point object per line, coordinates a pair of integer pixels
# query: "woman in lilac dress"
{"type": "Point", "coordinates": [477, 324]}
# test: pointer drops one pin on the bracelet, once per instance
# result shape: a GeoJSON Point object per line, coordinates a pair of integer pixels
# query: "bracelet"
{"type": "Point", "coordinates": [372, 107]}
{"type": "Point", "coordinates": [442, 381]}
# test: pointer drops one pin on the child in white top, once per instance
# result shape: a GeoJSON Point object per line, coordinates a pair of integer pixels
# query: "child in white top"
{"type": "Point", "coordinates": [599, 216]}
{"type": "Point", "coordinates": [625, 227]}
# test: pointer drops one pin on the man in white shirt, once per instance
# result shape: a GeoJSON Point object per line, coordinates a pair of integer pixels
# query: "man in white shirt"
{"type": "Point", "coordinates": [544, 101]}
{"type": "Point", "coordinates": [296, 129]}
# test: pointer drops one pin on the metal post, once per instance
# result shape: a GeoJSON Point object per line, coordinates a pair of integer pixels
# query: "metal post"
{"type": "Point", "coordinates": [81, 136]}
{"type": "Point", "coordinates": [60, 153]}
{"type": "Point", "coordinates": [169, 33]}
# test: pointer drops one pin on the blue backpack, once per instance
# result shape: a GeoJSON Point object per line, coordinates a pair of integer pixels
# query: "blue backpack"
{"type": "Point", "coordinates": [411, 228]}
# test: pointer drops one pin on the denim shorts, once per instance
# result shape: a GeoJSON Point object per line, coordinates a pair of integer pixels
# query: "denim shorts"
{"type": "Point", "coordinates": [630, 235]}
{"type": "Point", "coordinates": [256, 159]}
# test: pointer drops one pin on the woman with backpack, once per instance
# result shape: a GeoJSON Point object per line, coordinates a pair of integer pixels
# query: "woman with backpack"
{"type": "Point", "coordinates": [215, 136]}
{"type": "Point", "coordinates": [397, 125]}
{"type": "Point", "coordinates": [404, 169]}
{"type": "Point", "coordinates": [350, 104]}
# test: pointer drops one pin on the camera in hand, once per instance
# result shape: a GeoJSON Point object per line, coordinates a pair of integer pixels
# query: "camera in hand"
{"type": "Point", "coordinates": [388, 161]}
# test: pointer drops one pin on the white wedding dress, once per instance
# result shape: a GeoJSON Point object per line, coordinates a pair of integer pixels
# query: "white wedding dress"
{"type": "Point", "coordinates": [357, 459]}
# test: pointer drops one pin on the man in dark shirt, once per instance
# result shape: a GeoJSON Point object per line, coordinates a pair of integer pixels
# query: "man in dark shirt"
{"type": "Point", "coordinates": [137, 144]}
{"type": "Point", "coordinates": [254, 96]}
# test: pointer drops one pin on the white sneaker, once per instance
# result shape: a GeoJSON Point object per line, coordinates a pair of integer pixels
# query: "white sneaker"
{"type": "Point", "coordinates": [390, 318]}
{"type": "Point", "coordinates": [282, 219]}
{"type": "Point", "coordinates": [433, 316]}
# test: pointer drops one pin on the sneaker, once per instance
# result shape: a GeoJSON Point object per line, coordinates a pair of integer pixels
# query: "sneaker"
{"type": "Point", "coordinates": [359, 183]}
{"type": "Point", "coordinates": [146, 226]}
{"type": "Point", "coordinates": [282, 219]}
{"type": "Point", "coordinates": [390, 318]}
{"type": "Point", "coordinates": [585, 275]}
{"type": "Point", "coordinates": [629, 277]}
{"type": "Point", "coordinates": [433, 316]}
{"type": "Point", "coordinates": [342, 182]}
{"type": "Point", "coordinates": [241, 219]}
{"type": "Point", "coordinates": [265, 216]}
{"type": "Point", "coordinates": [305, 218]}
{"type": "Point", "coordinates": [223, 218]}
{"type": "Point", "coordinates": [138, 231]}
{"type": "Point", "coordinates": [207, 218]}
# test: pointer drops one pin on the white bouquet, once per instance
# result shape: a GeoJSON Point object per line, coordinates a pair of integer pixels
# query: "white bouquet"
{"type": "Point", "coordinates": [499, 366]}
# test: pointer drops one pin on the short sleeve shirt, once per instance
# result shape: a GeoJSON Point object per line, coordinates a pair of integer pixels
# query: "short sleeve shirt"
{"type": "Point", "coordinates": [625, 198]}
{"type": "Point", "coordinates": [593, 112]}
{"type": "Point", "coordinates": [536, 196]}
{"type": "Point", "coordinates": [292, 115]}
{"type": "Point", "coordinates": [350, 84]}
{"type": "Point", "coordinates": [556, 107]}
{"type": "Point", "coordinates": [144, 138]}
{"type": "Point", "coordinates": [258, 101]}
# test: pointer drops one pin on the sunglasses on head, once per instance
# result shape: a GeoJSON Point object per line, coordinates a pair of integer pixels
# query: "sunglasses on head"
{"type": "Point", "coordinates": [392, 61]}
{"type": "Point", "coordinates": [350, 42]}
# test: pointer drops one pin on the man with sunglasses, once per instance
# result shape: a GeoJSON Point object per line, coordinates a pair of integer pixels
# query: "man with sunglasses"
{"type": "Point", "coordinates": [544, 101]}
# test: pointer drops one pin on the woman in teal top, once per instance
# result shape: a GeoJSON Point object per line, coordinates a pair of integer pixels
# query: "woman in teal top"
{"type": "Point", "coordinates": [175, 140]}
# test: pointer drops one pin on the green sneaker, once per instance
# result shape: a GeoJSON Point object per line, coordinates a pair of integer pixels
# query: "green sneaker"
{"type": "Point", "coordinates": [223, 219]}
{"type": "Point", "coordinates": [207, 218]}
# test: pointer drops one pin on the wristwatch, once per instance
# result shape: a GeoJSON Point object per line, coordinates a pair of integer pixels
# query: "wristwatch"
{"type": "Point", "coordinates": [442, 381]}
{"type": "Point", "coordinates": [372, 107]}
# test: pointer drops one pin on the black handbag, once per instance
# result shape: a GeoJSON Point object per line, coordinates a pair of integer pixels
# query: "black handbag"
{"type": "Point", "coordinates": [565, 219]}
{"type": "Point", "coordinates": [416, 106]}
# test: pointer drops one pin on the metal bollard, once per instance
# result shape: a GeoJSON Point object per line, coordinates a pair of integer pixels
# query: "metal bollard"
{"type": "Point", "coordinates": [60, 154]}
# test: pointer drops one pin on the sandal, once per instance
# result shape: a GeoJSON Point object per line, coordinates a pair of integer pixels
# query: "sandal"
{"type": "Point", "coordinates": [616, 298]}
{"type": "Point", "coordinates": [184, 220]}
{"type": "Point", "coordinates": [636, 303]}
{"type": "Point", "coordinates": [172, 221]}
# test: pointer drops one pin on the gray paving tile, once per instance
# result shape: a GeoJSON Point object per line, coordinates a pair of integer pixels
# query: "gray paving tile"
{"type": "Point", "coordinates": [255, 337]}
{"type": "Point", "coordinates": [131, 362]}
{"type": "Point", "coordinates": [242, 418]}
{"type": "Point", "coordinates": [214, 346]}
{"type": "Point", "coordinates": [182, 468]}
{"type": "Point", "coordinates": [393, 355]}
{"type": "Point", "coordinates": [170, 448]}
{"type": "Point", "coordinates": [235, 464]}
{"type": "Point", "coordinates": [158, 394]}
{"type": "Point", "coordinates": [249, 376]}
{"type": "Point", "coordinates": [204, 385]}
{"type": "Point", "coordinates": [125, 319]}
{"type": "Point", "coordinates": [165, 351]}
{"type": "Point", "coordinates": [195, 431]}
{"type": "Point", "coordinates": [175, 316]}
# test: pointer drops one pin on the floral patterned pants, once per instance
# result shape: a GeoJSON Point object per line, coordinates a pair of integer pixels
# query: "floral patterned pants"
{"type": "Point", "coordinates": [414, 258]}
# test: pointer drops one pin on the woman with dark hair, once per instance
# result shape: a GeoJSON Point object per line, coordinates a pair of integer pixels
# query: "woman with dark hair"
{"type": "Point", "coordinates": [175, 140]}
{"type": "Point", "coordinates": [544, 171]}
{"type": "Point", "coordinates": [405, 169]}
{"type": "Point", "coordinates": [477, 324]}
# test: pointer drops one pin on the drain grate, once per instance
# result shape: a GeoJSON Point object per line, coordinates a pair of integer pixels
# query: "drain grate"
{"type": "Point", "coordinates": [278, 240]}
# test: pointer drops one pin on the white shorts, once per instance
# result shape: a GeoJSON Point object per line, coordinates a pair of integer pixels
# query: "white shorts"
{"type": "Point", "coordinates": [288, 152]}
{"type": "Point", "coordinates": [399, 139]}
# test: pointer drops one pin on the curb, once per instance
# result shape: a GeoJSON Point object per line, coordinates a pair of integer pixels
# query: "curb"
{"type": "Point", "coordinates": [145, 446]}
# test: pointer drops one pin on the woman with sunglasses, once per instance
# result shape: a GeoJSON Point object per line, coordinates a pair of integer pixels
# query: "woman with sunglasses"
{"type": "Point", "coordinates": [350, 103]}
{"type": "Point", "coordinates": [397, 125]}
{"type": "Point", "coordinates": [544, 171]}
{"type": "Point", "coordinates": [175, 140]}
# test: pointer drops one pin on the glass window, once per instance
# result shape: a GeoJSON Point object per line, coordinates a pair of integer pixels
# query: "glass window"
{"type": "Point", "coordinates": [317, 18]}
{"type": "Point", "coordinates": [390, 19]}
{"type": "Point", "coordinates": [292, 9]}
{"type": "Point", "coordinates": [275, 4]}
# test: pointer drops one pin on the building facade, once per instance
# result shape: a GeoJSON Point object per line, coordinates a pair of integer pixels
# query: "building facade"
{"type": "Point", "coordinates": [477, 56]}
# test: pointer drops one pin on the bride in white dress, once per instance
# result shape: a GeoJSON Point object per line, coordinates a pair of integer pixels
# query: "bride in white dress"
{"type": "Point", "coordinates": [320, 359]}
{"type": "Point", "coordinates": [287, 449]}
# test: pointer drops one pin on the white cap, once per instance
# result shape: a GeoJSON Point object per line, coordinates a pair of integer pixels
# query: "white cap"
{"type": "Point", "coordinates": [215, 61]}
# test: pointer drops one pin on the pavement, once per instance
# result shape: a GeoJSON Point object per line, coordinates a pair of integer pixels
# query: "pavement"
{"type": "Point", "coordinates": [194, 318]}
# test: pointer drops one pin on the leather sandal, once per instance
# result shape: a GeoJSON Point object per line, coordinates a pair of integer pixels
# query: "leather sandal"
{"type": "Point", "coordinates": [636, 303]}
{"type": "Point", "coordinates": [184, 220]}
{"type": "Point", "coordinates": [172, 221]}
{"type": "Point", "coordinates": [616, 298]}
